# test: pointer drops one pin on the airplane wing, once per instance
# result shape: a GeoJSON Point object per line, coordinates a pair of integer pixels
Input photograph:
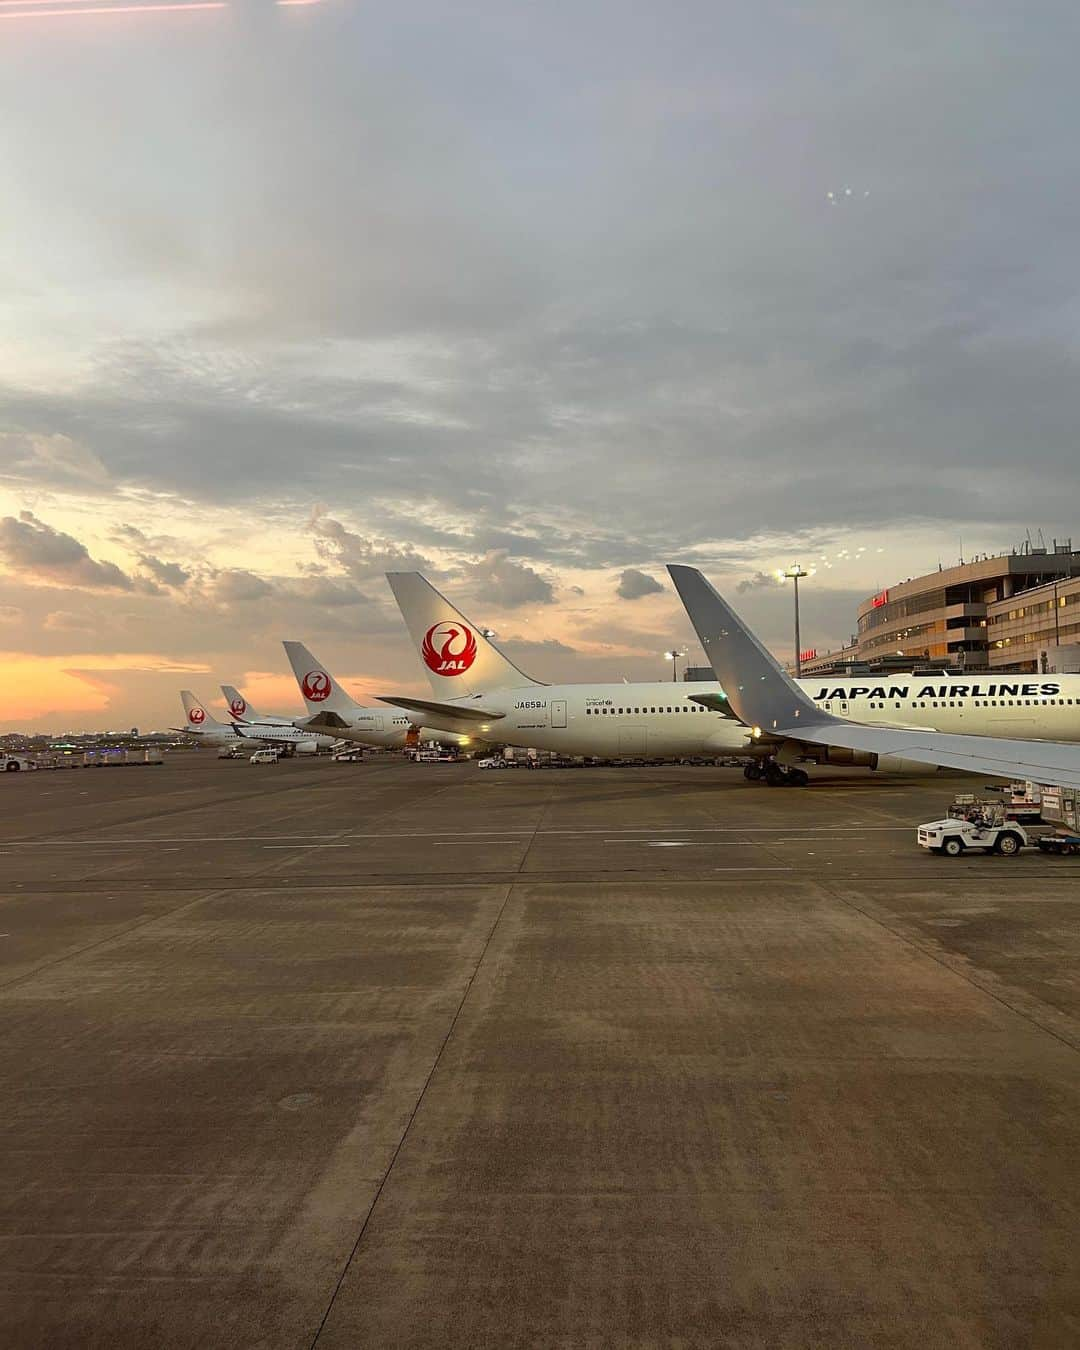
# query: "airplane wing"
{"type": "Point", "coordinates": [451, 710]}
{"type": "Point", "coordinates": [767, 699]}
{"type": "Point", "coordinates": [323, 721]}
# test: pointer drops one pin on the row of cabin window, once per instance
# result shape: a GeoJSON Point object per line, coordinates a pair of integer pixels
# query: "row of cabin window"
{"type": "Point", "coordinates": [695, 708]}
{"type": "Point", "coordinates": [981, 703]}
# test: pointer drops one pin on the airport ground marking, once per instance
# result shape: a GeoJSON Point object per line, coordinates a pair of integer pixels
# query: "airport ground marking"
{"type": "Point", "coordinates": [827, 831]}
{"type": "Point", "coordinates": [959, 971]}
{"type": "Point", "coordinates": [413, 1113]}
{"type": "Point", "coordinates": [124, 932]}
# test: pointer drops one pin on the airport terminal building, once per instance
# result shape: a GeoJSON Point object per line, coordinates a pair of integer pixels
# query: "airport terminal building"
{"type": "Point", "coordinates": [1017, 611]}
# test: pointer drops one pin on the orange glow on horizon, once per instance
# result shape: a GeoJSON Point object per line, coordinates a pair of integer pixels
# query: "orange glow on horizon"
{"type": "Point", "coordinates": [106, 9]}
{"type": "Point", "coordinates": [85, 687]}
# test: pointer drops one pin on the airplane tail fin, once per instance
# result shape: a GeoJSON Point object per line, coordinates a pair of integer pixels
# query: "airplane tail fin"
{"type": "Point", "coordinates": [320, 691]}
{"type": "Point", "coordinates": [197, 716]}
{"type": "Point", "coordinates": [238, 705]}
{"type": "Point", "coordinates": [459, 658]}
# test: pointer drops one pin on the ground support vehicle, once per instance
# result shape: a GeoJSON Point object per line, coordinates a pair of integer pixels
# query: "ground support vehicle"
{"type": "Point", "coordinates": [1064, 843]}
{"type": "Point", "coordinates": [14, 763]}
{"type": "Point", "coordinates": [1023, 801]}
{"type": "Point", "coordinates": [348, 756]}
{"type": "Point", "coordinates": [265, 757]}
{"type": "Point", "coordinates": [985, 827]}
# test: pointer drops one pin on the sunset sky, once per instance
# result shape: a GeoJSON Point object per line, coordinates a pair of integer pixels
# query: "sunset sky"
{"type": "Point", "coordinates": [532, 298]}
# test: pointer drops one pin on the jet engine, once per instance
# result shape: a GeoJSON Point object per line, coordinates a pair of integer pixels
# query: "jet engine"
{"type": "Point", "coordinates": [896, 764]}
{"type": "Point", "coordinates": [307, 747]}
{"type": "Point", "coordinates": [799, 752]}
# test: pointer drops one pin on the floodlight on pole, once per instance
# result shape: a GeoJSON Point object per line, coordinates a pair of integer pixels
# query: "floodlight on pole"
{"type": "Point", "coordinates": [673, 657]}
{"type": "Point", "coordinates": [794, 573]}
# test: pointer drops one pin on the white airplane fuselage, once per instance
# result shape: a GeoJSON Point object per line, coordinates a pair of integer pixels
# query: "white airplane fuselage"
{"type": "Point", "coordinates": [661, 720]}
{"type": "Point", "coordinates": [258, 735]}
{"type": "Point", "coordinates": [1016, 707]}
{"type": "Point", "coordinates": [387, 728]}
{"type": "Point", "coordinates": [272, 733]}
{"type": "Point", "coordinates": [269, 730]}
{"type": "Point", "coordinates": [603, 720]}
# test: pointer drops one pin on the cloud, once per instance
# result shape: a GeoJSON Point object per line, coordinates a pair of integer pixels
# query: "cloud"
{"type": "Point", "coordinates": [514, 340]}
{"type": "Point", "coordinates": [500, 581]}
{"type": "Point", "coordinates": [168, 573]}
{"type": "Point", "coordinates": [47, 556]}
{"type": "Point", "coordinates": [362, 557]}
{"type": "Point", "coordinates": [236, 586]}
{"type": "Point", "coordinates": [50, 459]}
{"type": "Point", "coordinates": [68, 621]}
{"type": "Point", "coordinates": [326, 591]}
{"type": "Point", "coordinates": [757, 582]}
{"type": "Point", "coordinates": [634, 584]}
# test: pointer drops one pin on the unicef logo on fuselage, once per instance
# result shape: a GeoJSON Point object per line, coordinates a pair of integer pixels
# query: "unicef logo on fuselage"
{"type": "Point", "coordinates": [448, 648]}
{"type": "Point", "coordinates": [316, 686]}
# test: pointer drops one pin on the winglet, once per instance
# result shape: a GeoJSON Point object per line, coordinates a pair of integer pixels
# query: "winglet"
{"type": "Point", "coordinates": [759, 691]}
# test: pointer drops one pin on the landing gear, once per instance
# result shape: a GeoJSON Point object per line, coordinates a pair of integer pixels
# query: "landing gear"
{"type": "Point", "coordinates": [777, 776]}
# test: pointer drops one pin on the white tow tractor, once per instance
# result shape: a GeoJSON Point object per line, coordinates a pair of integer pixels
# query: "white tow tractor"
{"type": "Point", "coordinates": [985, 825]}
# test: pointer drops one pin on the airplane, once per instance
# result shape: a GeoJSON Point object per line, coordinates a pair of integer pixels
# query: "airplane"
{"type": "Point", "coordinates": [242, 711]}
{"type": "Point", "coordinates": [205, 727]}
{"type": "Point", "coordinates": [788, 721]}
{"type": "Point", "coordinates": [245, 715]}
{"type": "Point", "coordinates": [330, 709]}
{"type": "Point", "coordinates": [489, 693]}
{"type": "Point", "coordinates": [479, 690]}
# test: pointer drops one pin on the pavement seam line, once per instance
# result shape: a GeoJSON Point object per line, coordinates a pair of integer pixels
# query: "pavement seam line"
{"type": "Point", "coordinates": [953, 970]}
{"type": "Point", "coordinates": [213, 894]}
{"type": "Point", "coordinates": [111, 937]}
{"type": "Point", "coordinates": [199, 803]}
{"type": "Point", "coordinates": [412, 1117]}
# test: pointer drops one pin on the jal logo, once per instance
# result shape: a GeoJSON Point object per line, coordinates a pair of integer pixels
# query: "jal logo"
{"type": "Point", "coordinates": [316, 686]}
{"type": "Point", "coordinates": [238, 707]}
{"type": "Point", "coordinates": [448, 648]}
{"type": "Point", "coordinates": [196, 717]}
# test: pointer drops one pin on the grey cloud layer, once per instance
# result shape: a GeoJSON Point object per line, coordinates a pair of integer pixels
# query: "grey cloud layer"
{"type": "Point", "coordinates": [633, 584]}
{"type": "Point", "coordinates": [561, 286]}
{"type": "Point", "coordinates": [33, 549]}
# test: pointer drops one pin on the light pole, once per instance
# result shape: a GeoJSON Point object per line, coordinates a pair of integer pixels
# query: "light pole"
{"type": "Point", "coordinates": [793, 573]}
{"type": "Point", "coordinates": [673, 657]}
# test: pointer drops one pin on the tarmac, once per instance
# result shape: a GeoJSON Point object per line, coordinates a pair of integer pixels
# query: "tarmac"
{"type": "Point", "coordinates": [390, 1054]}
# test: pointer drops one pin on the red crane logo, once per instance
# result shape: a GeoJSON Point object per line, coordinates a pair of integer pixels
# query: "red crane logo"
{"type": "Point", "coordinates": [238, 707]}
{"type": "Point", "coordinates": [448, 648]}
{"type": "Point", "coordinates": [196, 717]}
{"type": "Point", "coordinates": [316, 686]}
